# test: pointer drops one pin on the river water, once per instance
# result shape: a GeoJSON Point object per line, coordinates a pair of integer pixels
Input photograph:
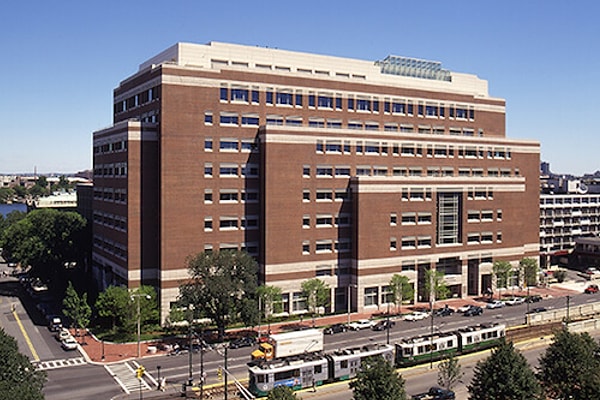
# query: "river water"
{"type": "Point", "coordinates": [5, 209]}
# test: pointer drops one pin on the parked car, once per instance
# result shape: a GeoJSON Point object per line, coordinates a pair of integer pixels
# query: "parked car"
{"type": "Point", "coordinates": [244, 341]}
{"type": "Point", "coordinates": [444, 312]}
{"type": "Point", "coordinates": [361, 324]}
{"type": "Point", "coordinates": [435, 393]}
{"type": "Point", "coordinates": [416, 316]}
{"type": "Point", "coordinates": [514, 301]}
{"type": "Point", "coordinates": [591, 289]}
{"type": "Point", "coordinates": [472, 311]}
{"type": "Point", "coordinates": [495, 304]}
{"type": "Point", "coordinates": [464, 308]}
{"type": "Point", "coordinates": [55, 324]}
{"type": "Point", "coordinates": [69, 343]}
{"type": "Point", "coordinates": [336, 328]}
{"type": "Point", "coordinates": [533, 298]}
{"type": "Point", "coordinates": [383, 325]}
{"type": "Point", "coordinates": [537, 310]}
{"type": "Point", "coordinates": [62, 334]}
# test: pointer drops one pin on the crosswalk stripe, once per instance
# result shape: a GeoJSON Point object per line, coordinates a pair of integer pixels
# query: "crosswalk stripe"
{"type": "Point", "coordinates": [54, 364]}
{"type": "Point", "coordinates": [124, 374]}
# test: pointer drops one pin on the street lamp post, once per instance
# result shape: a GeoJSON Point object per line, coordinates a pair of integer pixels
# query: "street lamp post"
{"type": "Point", "coordinates": [349, 298]}
{"type": "Point", "coordinates": [139, 333]}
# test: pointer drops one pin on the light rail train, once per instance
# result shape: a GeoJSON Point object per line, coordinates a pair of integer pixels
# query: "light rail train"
{"type": "Point", "coordinates": [315, 369]}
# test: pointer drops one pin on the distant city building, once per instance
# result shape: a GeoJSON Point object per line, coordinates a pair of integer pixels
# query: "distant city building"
{"type": "Point", "coordinates": [66, 201]}
{"type": "Point", "coordinates": [346, 170]}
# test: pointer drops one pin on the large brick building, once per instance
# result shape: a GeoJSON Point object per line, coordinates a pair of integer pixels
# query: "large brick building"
{"type": "Point", "coordinates": [319, 166]}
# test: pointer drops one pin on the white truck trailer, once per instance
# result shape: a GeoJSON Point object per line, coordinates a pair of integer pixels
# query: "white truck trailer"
{"type": "Point", "coordinates": [288, 344]}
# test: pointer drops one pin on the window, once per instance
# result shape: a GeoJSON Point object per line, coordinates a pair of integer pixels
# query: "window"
{"type": "Point", "coordinates": [306, 171]}
{"type": "Point", "coordinates": [306, 195]}
{"type": "Point", "coordinates": [274, 120]}
{"type": "Point", "coordinates": [393, 219]}
{"type": "Point", "coordinates": [311, 100]}
{"type": "Point", "coordinates": [293, 121]}
{"type": "Point", "coordinates": [223, 94]}
{"type": "Point", "coordinates": [324, 171]}
{"type": "Point", "coordinates": [298, 99]}
{"type": "Point", "coordinates": [228, 196]}
{"type": "Point", "coordinates": [228, 144]}
{"type": "Point", "coordinates": [249, 119]}
{"type": "Point", "coordinates": [228, 223]}
{"type": "Point", "coordinates": [239, 95]}
{"type": "Point", "coordinates": [226, 170]}
{"type": "Point", "coordinates": [424, 218]}
{"type": "Point", "coordinates": [341, 194]}
{"type": "Point", "coordinates": [255, 97]}
{"type": "Point", "coordinates": [409, 218]}
{"type": "Point", "coordinates": [324, 195]}
{"type": "Point", "coordinates": [393, 244]}
{"type": "Point", "coordinates": [324, 246]}
{"type": "Point", "coordinates": [305, 247]}
{"type": "Point", "coordinates": [409, 242]}
{"type": "Point", "coordinates": [325, 102]}
{"type": "Point", "coordinates": [208, 197]}
{"type": "Point", "coordinates": [324, 221]}
{"type": "Point", "coordinates": [342, 171]}
{"type": "Point", "coordinates": [371, 296]}
{"type": "Point", "coordinates": [228, 118]}
{"type": "Point", "coordinates": [306, 221]}
{"type": "Point", "coordinates": [269, 96]}
{"type": "Point", "coordinates": [208, 224]}
{"type": "Point", "coordinates": [284, 98]}
{"type": "Point", "coordinates": [448, 218]}
{"type": "Point", "coordinates": [208, 118]}
{"type": "Point", "coordinates": [208, 144]}
{"type": "Point", "coordinates": [363, 105]}
{"type": "Point", "coordinates": [249, 196]}
{"type": "Point", "coordinates": [208, 170]}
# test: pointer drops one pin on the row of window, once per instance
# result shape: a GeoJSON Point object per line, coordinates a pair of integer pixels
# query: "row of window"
{"type": "Point", "coordinates": [109, 246]}
{"type": "Point", "coordinates": [559, 200]}
{"type": "Point", "coordinates": [227, 118]}
{"type": "Point", "coordinates": [232, 170]}
{"type": "Point", "coordinates": [137, 100]}
{"type": "Point", "coordinates": [112, 221]}
{"type": "Point", "coordinates": [111, 194]}
{"type": "Point", "coordinates": [346, 171]}
{"type": "Point", "coordinates": [232, 196]}
{"type": "Point", "coordinates": [483, 215]}
{"type": "Point", "coordinates": [118, 170]}
{"type": "Point", "coordinates": [326, 220]}
{"type": "Point", "coordinates": [326, 194]}
{"type": "Point", "coordinates": [412, 149]}
{"type": "Point", "coordinates": [336, 101]}
{"type": "Point", "coordinates": [230, 145]}
{"type": "Point", "coordinates": [232, 223]}
{"type": "Point", "coordinates": [325, 246]}
{"type": "Point", "coordinates": [249, 247]}
{"type": "Point", "coordinates": [112, 147]}
{"type": "Point", "coordinates": [411, 218]}
{"type": "Point", "coordinates": [483, 237]}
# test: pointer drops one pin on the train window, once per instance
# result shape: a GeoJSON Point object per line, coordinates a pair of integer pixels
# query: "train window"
{"type": "Point", "coordinates": [318, 369]}
{"type": "Point", "coordinates": [469, 339]}
{"type": "Point", "coordinates": [344, 364]}
{"type": "Point", "coordinates": [261, 378]}
{"type": "Point", "coordinates": [408, 351]}
{"type": "Point", "coordinates": [450, 343]}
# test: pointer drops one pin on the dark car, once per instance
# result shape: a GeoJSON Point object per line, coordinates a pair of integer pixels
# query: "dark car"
{"type": "Point", "coordinates": [533, 298]}
{"type": "Point", "coordinates": [472, 311]}
{"type": "Point", "coordinates": [444, 312]}
{"type": "Point", "coordinates": [435, 393]}
{"type": "Point", "coordinates": [244, 341]}
{"type": "Point", "coordinates": [383, 325]}
{"type": "Point", "coordinates": [337, 328]}
{"type": "Point", "coordinates": [536, 310]}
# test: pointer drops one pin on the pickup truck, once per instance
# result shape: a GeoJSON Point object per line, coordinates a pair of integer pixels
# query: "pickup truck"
{"type": "Point", "coordinates": [435, 393]}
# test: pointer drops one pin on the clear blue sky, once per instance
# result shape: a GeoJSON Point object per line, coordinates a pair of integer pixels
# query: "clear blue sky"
{"type": "Point", "coordinates": [62, 59]}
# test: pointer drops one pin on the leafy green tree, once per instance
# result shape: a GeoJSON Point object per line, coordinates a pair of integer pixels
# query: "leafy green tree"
{"type": "Point", "coordinates": [505, 374]}
{"type": "Point", "coordinates": [113, 303]}
{"type": "Point", "coordinates": [501, 270]}
{"type": "Point", "coordinates": [316, 293]}
{"type": "Point", "coordinates": [435, 286]}
{"type": "Point", "coordinates": [11, 218]}
{"type": "Point", "coordinates": [569, 367]}
{"type": "Point", "coordinates": [19, 379]}
{"type": "Point", "coordinates": [377, 380]}
{"type": "Point", "coordinates": [449, 372]}
{"type": "Point", "coordinates": [269, 300]}
{"type": "Point", "coordinates": [45, 239]}
{"type": "Point", "coordinates": [401, 289]}
{"type": "Point", "coordinates": [77, 308]}
{"type": "Point", "coordinates": [528, 269]}
{"type": "Point", "coordinates": [281, 393]}
{"type": "Point", "coordinates": [20, 191]}
{"type": "Point", "coordinates": [221, 284]}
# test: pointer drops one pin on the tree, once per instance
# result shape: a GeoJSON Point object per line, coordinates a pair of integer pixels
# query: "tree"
{"type": "Point", "coordinates": [377, 380]}
{"type": "Point", "coordinates": [401, 289]}
{"type": "Point", "coordinates": [76, 308]}
{"type": "Point", "coordinates": [45, 239]}
{"type": "Point", "coordinates": [281, 393]}
{"type": "Point", "coordinates": [505, 374]}
{"type": "Point", "coordinates": [316, 293]}
{"type": "Point", "coordinates": [449, 372]}
{"type": "Point", "coordinates": [113, 303]}
{"type": "Point", "coordinates": [435, 286]}
{"type": "Point", "coordinates": [501, 271]}
{"type": "Point", "coordinates": [528, 268]}
{"type": "Point", "coordinates": [569, 367]}
{"type": "Point", "coordinates": [19, 378]}
{"type": "Point", "coordinates": [269, 300]}
{"type": "Point", "coordinates": [6, 194]}
{"type": "Point", "coordinates": [221, 284]}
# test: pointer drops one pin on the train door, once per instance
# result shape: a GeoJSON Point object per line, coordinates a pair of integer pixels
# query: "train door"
{"type": "Point", "coordinates": [307, 376]}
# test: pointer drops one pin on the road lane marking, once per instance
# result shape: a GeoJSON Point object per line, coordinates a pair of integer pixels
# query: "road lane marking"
{"type": "Point", "coordinates": [27, 339]}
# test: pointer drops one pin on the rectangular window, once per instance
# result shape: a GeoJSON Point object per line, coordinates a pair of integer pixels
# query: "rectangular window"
{"type": "Point", "coordinates": [269, 97]}
{"type": "Point", "coordinates": [350, 104]}
{"type": "Point", "coordinates": [228, 170]}
{"type": "Point", "coordinates": [228, 118]}
{"type": "Point", "coordinates": [298, 99]}
{"type": "Point", "coordinates": [371, 296]}
{"type": "Point", "coordinates": [208, 118]}
{"type": "Point", "coordinates": [284, 98]}
{"type": "Point", "coordinates": [208, 170]}
{"type": "Point", "coordinates": [208, 144]}
{"type": "Point", "coordinates": [311, 100]}
{"type": "Point", "coordinates": [448, 218]}
{"type": "Point", "coordinates": [228, 144]}
{"type": "Point", "coordinates": [224, 94]}
{"type": "Point", "coordinates": [249, 120]}
{"type": "Point", "coordinates": [325, 102]}
{"type": "Point", "coordinates": [255, 97]}
{"type": "Point", "coordinates": [239, 95]}
{"type": "Point", "coordinates": [338, 102]}
{"type": "Point", "coordinates": [274, 120]}
{"type": "Point", "coordinates": [208, 197]}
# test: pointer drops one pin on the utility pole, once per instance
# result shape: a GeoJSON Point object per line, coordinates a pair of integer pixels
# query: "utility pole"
{"type": "Point", "coordinates": [568, 309]}
{"type": "Point", "coordinates": [226, 373]}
